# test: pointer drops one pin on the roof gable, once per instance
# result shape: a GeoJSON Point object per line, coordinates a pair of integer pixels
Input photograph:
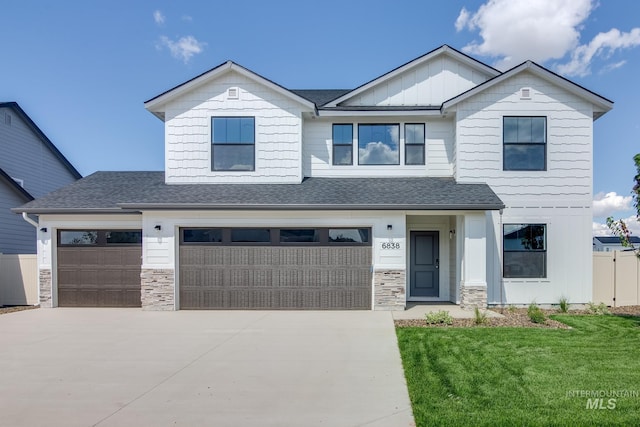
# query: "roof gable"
{"type": "Point", "coordinates": [157, 104]}
{"type": "Point", "coordinates": [18, 111]}
{"type": "Point", "coordinates": [11, 183]}
{"type": "Point", "coordinates": [601, 104]}
{"type": "Point", "coordinates": [482, 70]}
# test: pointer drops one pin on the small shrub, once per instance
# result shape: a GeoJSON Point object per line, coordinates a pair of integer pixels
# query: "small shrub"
{"type": "Point", "coordinates": [535, 313]}
{"type": "Point", "coordinates": [439, 317]}
{"type": "Point", "coordinates": [598, 309]}
{"type": "Point", "coordinates": [512, 308]}
{"type": "Point", "coordinates": [479, 317]}
{"type": "Point", "coordinates": [564, 305]}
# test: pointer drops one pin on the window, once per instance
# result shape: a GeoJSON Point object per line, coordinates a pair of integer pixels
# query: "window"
{"type": "Point", "coordinates": [303, 235]}
{"type": "Point", "coordinates": [525, 250]}
{"type": "Point", "coordinates": [250, 235]}
{"type": "Point", "coordinates": [201, 235]}
{"type": "Point", "coordinates": [378, 144]}
{"type": "Point", "coordinates": [123, 237]}
{"type": "Point", "coordinates": [79, 237]}
{"type": "Point", "coordinates": [524, 140]}
{"type": "Point", "coordinates": [233, 143]}
{"type": "Point", "coordinates": [343, 144]}
{"type": "Point", "coordinates": [414, 144]}
{"type": "Point", "coordinates": [348, 235]}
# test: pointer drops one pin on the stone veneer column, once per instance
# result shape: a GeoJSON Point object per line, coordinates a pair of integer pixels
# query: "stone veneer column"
{"type": "Point", "coordinates": [389, 290]}
{"type": "Point", "coordinates": [473, 296]}
{"type": "Point", "coordinates": [45, 283]}
{"type": "Point", "coordinates": [158, 289]}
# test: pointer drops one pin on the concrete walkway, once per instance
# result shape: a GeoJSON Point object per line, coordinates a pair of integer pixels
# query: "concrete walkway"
{"type": "Point", "coordinates": [419, 310]}
{"type": "Point", "coordinates": [126, 367]}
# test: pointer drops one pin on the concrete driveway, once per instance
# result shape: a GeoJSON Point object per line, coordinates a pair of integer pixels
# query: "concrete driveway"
{"type": "Point", "coordinates": [126, 367]}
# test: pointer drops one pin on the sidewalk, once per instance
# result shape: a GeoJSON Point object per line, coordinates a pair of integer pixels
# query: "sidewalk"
{"type": "Point", "coordinates": [419, 310]}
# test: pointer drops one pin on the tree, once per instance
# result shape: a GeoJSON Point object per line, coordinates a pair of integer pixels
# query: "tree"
{"type": "Point", "coordinates": [619, 228]}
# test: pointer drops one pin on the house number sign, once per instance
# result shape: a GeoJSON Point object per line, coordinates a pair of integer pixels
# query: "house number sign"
{"type": "Point", "coordinates": [390, 245]}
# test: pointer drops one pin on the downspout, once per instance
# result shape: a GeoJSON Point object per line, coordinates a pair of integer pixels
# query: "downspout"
{"type": "Point", "coordinates": [501, 257]}
{"type": "Point", "coordinates": [29, 220]}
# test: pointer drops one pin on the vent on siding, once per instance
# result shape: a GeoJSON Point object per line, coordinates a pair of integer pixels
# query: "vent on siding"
{"type": "Point", "coordinates": [19, 181]}
{"type": "Point", "coordinates": [525, 93]}
{"type": "Point", "coordinates": [233, 93]}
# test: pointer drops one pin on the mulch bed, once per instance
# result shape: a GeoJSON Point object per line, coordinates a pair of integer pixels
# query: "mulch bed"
{"type": "Point", "coordinates": [14, 308]}
{"type": "Point", "coordinates": [515, 318]}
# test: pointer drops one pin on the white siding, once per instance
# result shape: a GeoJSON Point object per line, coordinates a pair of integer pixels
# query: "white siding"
{"type": "Point", "coordinates": [278, 127]}
{"type": "Point", "coordinates": [24, 156]}
{"type": "Point", "coordinates": [317, 149]}
{"type": "Point", "coordinates": [430, 83]}
{"type": "Point", "coordinates": [568, 178]}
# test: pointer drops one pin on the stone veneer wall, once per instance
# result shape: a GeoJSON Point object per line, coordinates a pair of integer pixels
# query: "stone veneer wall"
{"type": "Point", "coordinates": [158, 289]}
{"type": "Point", "coordinates": [389, 290]}
{"type": "Point", "coordinates": [45, 283]}
{"type": "Point", "coordinates": [473, 296]}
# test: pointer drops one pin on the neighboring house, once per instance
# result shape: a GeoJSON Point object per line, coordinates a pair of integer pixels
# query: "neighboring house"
{"type": "Point", "coordinates": [612, 243]}
{"type": "Point", "coordinates": [424, 184]}
{"type": "Point", "coordinates": [30, 167]}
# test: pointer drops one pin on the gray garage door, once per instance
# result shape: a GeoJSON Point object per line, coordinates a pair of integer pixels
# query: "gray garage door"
{"type": "Point", "coordinates": [319, 268]}
{"type": "Point", "coordinates": [99, 268]}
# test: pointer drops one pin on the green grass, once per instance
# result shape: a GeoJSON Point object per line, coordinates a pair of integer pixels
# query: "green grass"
{"type": "Point", "coordinates": [523, 377]}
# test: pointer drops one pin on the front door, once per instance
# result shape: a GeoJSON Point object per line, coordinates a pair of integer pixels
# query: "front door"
{"type": "Point", "coordinates": [425, 264]}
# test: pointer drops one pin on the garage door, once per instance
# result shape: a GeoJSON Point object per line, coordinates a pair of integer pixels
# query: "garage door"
{"type": "Point", "coordinates": [236, 268]}
{"type": "Point", "coordinates": [99, 268]}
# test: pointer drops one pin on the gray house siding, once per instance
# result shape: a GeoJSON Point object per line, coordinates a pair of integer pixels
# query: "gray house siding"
{"type": "Point", "coordinates": [16, 235]}
{"type": "Point", "coordinates": [26, 154]}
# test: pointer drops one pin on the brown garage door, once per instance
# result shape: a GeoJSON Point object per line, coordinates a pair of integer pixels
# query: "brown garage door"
{"type": "Point", "coordinates": [318, 269]}
{"type": "Point", "coordinates": [99, 268]}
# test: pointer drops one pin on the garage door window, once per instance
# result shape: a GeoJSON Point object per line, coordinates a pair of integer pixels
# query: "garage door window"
{"type": "Point", "coordinates": [99, 237]}
{"type": "Point", "coordinates": [276, 236]}
{"type": "Point", "coordinates": [78, 237]}
{"type": "Point", "coordinates": [202, 235]}
{"type": "Point", "coordinates": [299, 235]}
{"type": "Point", "coordinates": [250, 235]}
{"type": "Point", "coordinates": [349, 235]}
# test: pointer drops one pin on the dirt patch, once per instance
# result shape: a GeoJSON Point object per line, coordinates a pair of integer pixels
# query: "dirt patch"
{"type": "Point", "coordinates": [516, 318]}
{"type": "Point", "coordinates": [15, 308]}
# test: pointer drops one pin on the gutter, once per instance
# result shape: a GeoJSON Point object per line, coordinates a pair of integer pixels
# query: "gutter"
{"type": "Point", "coordinates": [305, 207]}
{"type": "Point", "coordinates": [29, 220]}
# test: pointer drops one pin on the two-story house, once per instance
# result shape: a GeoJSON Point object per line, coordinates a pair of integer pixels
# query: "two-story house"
{"type": "Point", "coordinates": [441, 180]}
{"type": "Point", "coordinates": [30, 167]}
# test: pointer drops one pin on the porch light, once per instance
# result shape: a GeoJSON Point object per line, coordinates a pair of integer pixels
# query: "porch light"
{"type": "Point", "coordinates": [452, 233]}
{"type": "Point", "coordinates": [43, 229]}
{"type": "Point", "coordinates": [158, 227]}
{"type": "Point", "coordinates": [389, 227]}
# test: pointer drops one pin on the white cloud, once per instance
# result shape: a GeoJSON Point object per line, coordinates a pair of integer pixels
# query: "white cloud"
{"type": "Point", "coordinates": [187, 18]}
{"type": "Point", "coordinates": [183, 48]}
{"type": "Point", "coordinates": [378, 153]}
{"type": "Point", "coordinates": [517, 30]}
{"type": "Point", "coordinates": [600, 229]}
{"type": "Point", "coordinates": [612, 67]}
{"type": "Point", "coordinates": [158, 17]}
{"type": "Point", "coordinates": [607, 204]}
{"type": "Point", "coordinates": [603, 45]}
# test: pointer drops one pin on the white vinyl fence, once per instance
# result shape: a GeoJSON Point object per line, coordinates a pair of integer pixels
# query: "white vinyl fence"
{"type": "Point", "coordinates": [616, 278]}
{"type": "Point", "coordinates": [18, 280]}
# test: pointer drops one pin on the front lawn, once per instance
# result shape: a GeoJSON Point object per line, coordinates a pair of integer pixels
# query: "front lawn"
{"type": "Point", "coordinates": [529, 377]}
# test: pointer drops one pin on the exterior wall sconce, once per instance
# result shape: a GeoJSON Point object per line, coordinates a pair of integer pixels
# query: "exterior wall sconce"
{"type": "Point", "coordinates": [389, 227]}
{"type": "Point", "coordinates": [158, 227]}
{"type": "Point", "coordinates": [43, 229]}
{"type": "Point", "coordinates": [452, 234]}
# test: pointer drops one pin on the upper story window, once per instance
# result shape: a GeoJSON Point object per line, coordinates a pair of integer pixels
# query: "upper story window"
{"type": "Point", "coordinates": [379, 144]}
{"type": "Point", "coordinates": [414, 144]}
{"type": "Point", "coordinates": [343, 144]}
{"type": "Point", "coordinates": [525, 250]}
{"type": "Point", "coordinates": [233, 143]}
{"type": "Point", "coordinates": [524, 141]}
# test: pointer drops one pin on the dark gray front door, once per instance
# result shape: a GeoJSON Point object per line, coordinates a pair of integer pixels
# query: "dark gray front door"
{"type": "Point", "coordinates": [425, 264]}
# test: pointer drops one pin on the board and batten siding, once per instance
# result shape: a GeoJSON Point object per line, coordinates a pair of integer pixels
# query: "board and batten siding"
{"type": "Point", "coordinates": [479, 146]}
{"type": "Point", "coordinates": [24, 156]}
{"type": "Point", "coordinates": [430, 83]}
{"type": "Point", "coordinates": [317, 149]}
{"type": "Point", "coordinates": [278, 133]}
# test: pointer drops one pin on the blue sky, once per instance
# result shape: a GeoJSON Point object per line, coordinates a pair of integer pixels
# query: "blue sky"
{"type": "Point", "coordinates": [83, 69]}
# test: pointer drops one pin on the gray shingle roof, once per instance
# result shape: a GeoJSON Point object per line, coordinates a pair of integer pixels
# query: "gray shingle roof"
{"type": "Point", "coordinates": [320, 96]}
{"type": "Point", "coordinates": [136, 191]}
